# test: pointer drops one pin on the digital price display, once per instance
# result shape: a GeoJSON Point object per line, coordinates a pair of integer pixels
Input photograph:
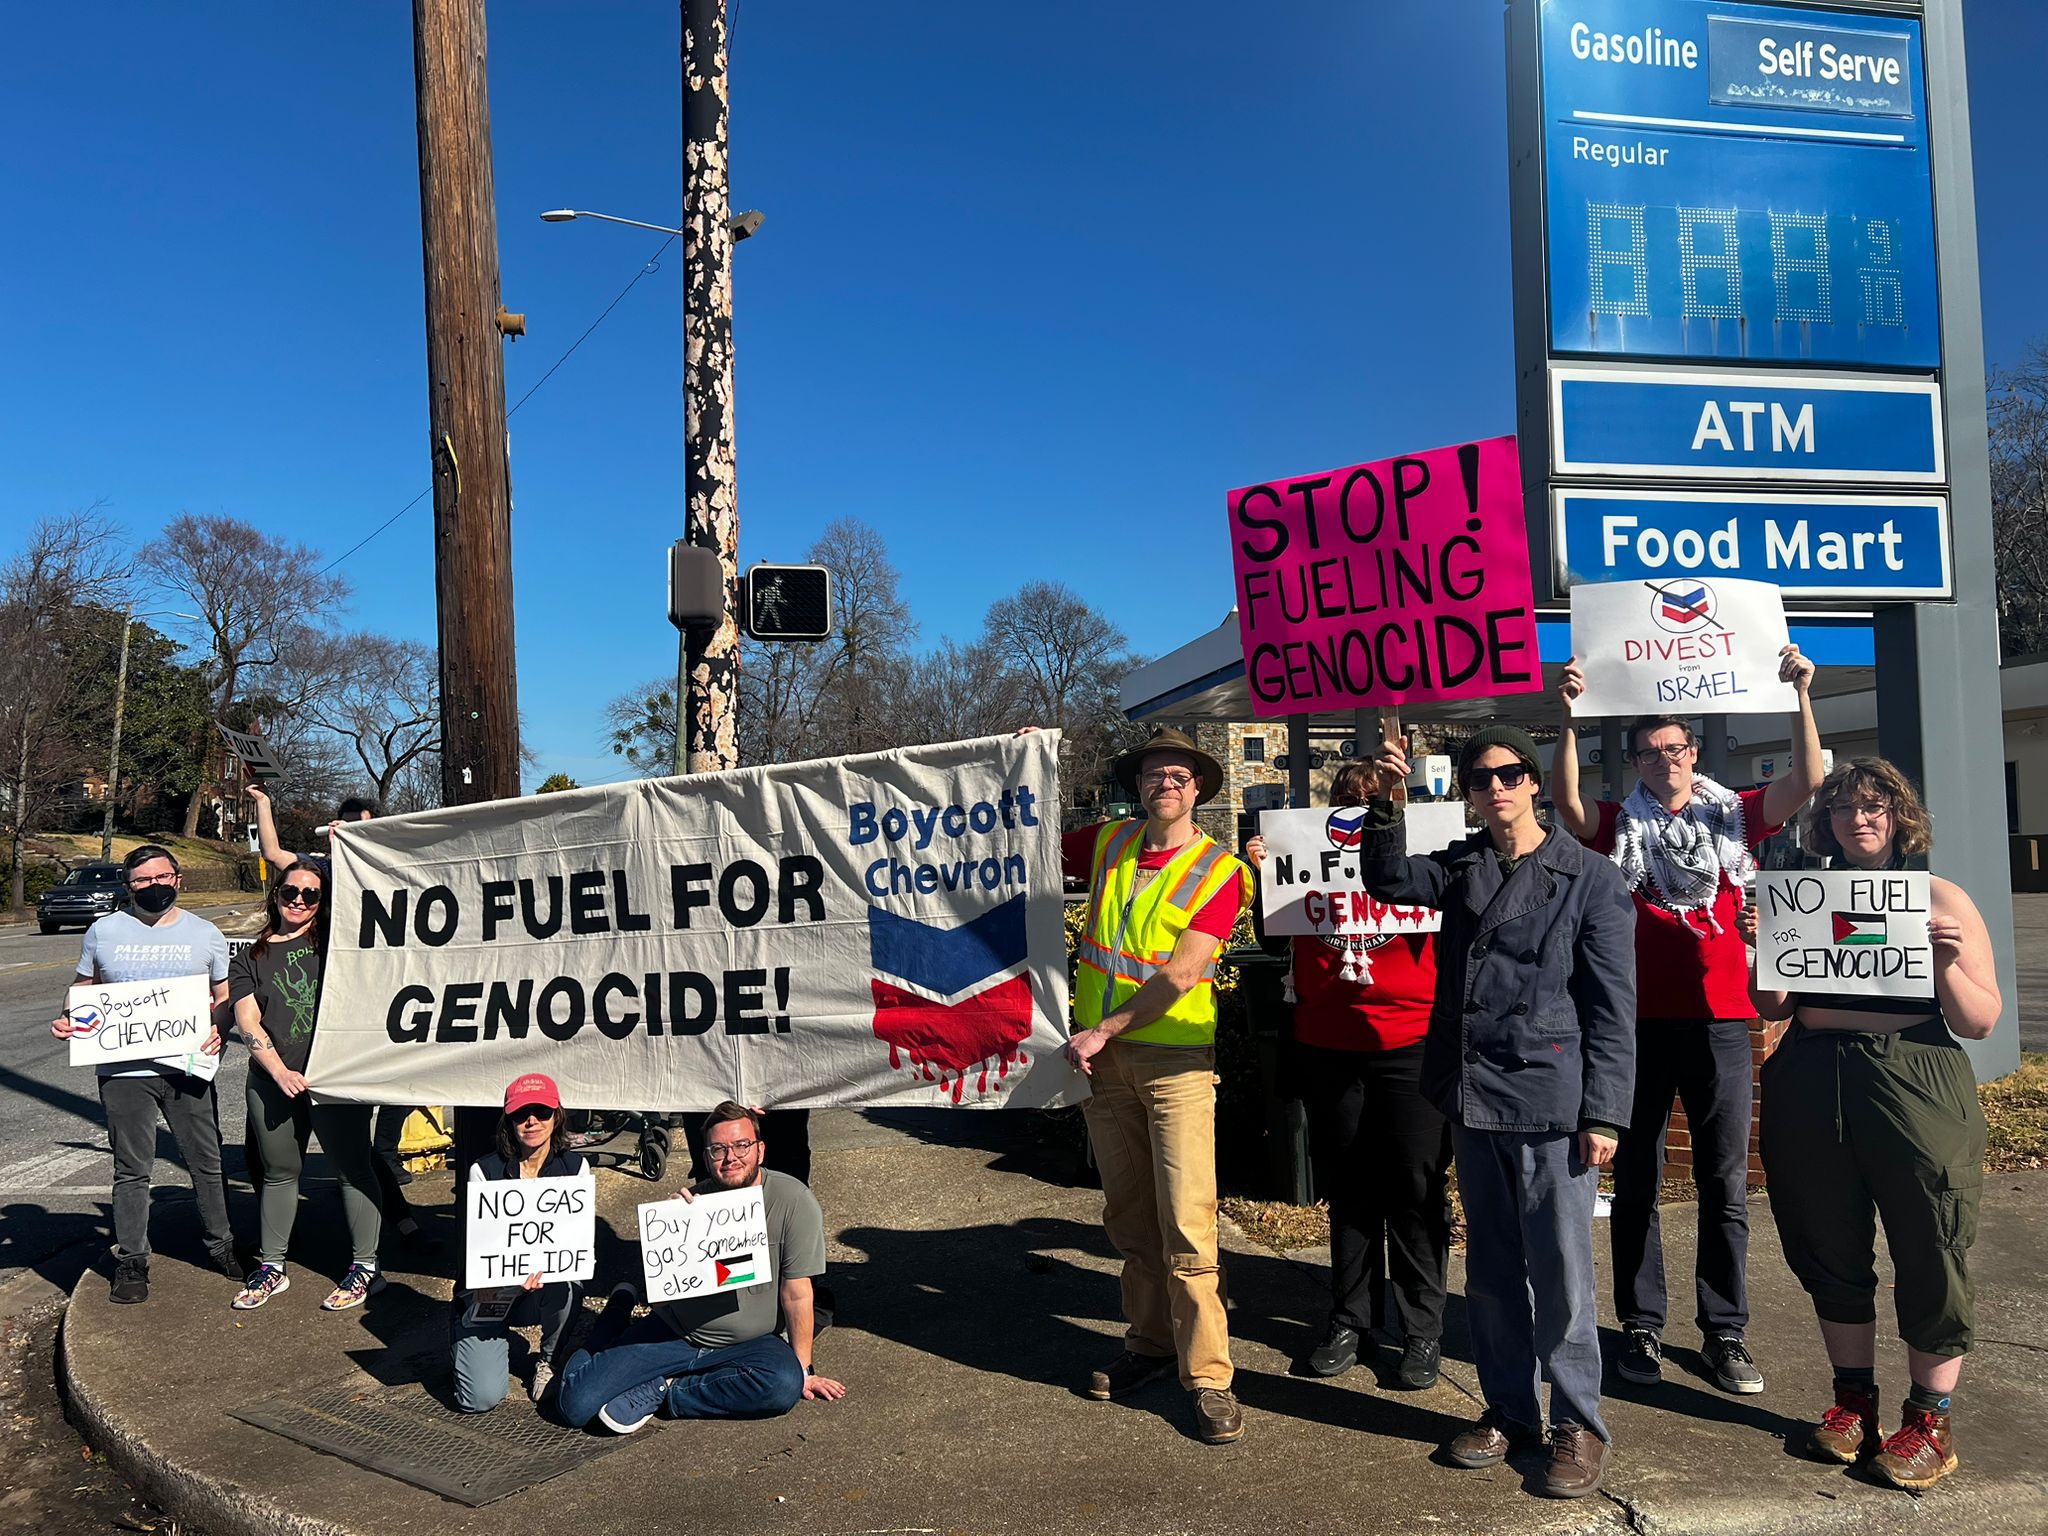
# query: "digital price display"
{"type": "Point", "coordinates": [1747, 182]}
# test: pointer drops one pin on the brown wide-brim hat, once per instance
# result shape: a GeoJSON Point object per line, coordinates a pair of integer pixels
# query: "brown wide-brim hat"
{"type": "Point", "coordinates": [1170, 740]}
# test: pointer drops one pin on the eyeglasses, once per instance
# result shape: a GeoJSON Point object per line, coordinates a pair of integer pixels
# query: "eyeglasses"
{"type": "Point", "coordinates": [299, 896]}
{"type": "Point", "coordinates": [136, 883]}
{"type": "Point", "coordinates": [1860, 810]}
{"type": "Point", "coordinates": [1510, 777]}
{"type": "Point", "coordinates": [1160, 778]}
{"type": "Point", "coordinates": [532, 1112]}
{"type": "Point", "coordinates": [729, 1151]}
{"type": "Point", "coordinates": [1649, 755]}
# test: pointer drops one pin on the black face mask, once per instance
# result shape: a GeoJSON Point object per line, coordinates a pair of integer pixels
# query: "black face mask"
{"type": "Point", "coordinates": [155, 899]}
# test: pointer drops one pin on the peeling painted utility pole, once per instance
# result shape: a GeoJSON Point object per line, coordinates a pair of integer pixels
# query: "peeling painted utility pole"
{"type": "Point", "coordinates": [466, 329]}
{"type": "Point", "coordinates": [708, 675]}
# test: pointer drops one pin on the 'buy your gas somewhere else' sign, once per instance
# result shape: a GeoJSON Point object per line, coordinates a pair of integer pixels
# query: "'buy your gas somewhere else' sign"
{"type": "Point", "coordinates": [115, 1021]}
{"type": "Point", "coordinates": [716, 1242]}
{"type": "Point", "coordinates": [1680, 647]}
{"type": "Point", "coordinates": [1406, 579]}
{"type": "Point", "coordinates": [1841, 930]}
{"type": "Point", "coordinates": [521, 1227]}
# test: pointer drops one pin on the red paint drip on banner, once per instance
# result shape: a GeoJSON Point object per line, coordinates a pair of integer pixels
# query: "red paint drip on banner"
{"type": "Point", "coordinates": [946, 1041]}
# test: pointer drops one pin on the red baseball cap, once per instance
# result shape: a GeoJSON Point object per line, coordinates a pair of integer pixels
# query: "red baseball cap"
{"type": "Point", "coordinates": [534, 1088]}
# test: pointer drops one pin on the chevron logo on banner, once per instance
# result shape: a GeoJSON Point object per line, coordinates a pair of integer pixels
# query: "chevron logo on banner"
{"type": "Point", "coordinates": [920, 1012]}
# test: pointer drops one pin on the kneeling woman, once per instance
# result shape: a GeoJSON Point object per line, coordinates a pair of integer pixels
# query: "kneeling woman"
{"type": "Point", "coordinates": [275, 989]}
{"type": "Point", "coordinates": [1870, 1113]}
{"type": "Point", "coordinates": [533, 1140]}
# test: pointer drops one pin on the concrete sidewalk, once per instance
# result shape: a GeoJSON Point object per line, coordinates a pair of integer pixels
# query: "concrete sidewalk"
{"type": "Point", "coordinates": [974, 1291]}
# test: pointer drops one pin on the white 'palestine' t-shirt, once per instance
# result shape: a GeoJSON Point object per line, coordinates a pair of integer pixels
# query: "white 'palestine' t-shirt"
{"type": "Point", "coordinates": [121, 947]}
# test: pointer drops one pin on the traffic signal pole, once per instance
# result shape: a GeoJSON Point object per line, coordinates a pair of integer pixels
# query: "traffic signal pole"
{"type": "Point", "coordinates": [707, 682]}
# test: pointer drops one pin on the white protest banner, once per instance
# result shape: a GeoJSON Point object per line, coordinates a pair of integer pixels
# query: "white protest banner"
{"type": "Point", "coordinates": [884, 929]}
{"type": "Point", "coordinates": [1858, 931]}
{"type": "Point", "coordinates": [254, 753]}
{"type": "Point", "coordinates": [1680, 647]}
{"type": "Point", "coordinates": [716, 1242]}
{"type": "Point", "coordinates": [521, 1227]}
{"type": "Point", "coordinates": [1310, 885]}
{"type": "Point", "coordinates": [115, 1021]}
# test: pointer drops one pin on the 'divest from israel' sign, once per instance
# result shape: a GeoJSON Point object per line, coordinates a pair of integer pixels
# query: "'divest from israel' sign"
{"type": "Point", "coordinates": [882, 929]}
{"type": "Point", "coordinates": [1821, 546]}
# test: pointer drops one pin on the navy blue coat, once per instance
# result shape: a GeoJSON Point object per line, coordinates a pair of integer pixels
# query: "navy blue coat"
{"type": "Point", "coordinates": [1534, 1024]}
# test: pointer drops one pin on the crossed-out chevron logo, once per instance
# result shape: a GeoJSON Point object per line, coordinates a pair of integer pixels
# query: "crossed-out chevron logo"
{"type": "Point", "coordinates": [733, 1269]}
{"type": "Point", "coordinates": [955, 1000]}
{"type": "Point", "coordinates": [1346, 826]}
{"type": "Point", "coordinates": [1682, 607]}
{"type": "Point", "coordinates": [1860, 928]}
{"type": "Point", "coordinates": [85, 1021]}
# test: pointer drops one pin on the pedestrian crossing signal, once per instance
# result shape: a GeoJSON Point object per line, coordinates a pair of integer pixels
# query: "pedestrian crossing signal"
{"type": "Point", "coordinates": [789, 602]}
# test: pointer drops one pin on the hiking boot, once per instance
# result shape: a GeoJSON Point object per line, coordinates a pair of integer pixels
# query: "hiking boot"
{"type": "Point", "coordinates": [1642, 1357]}
{"type": "Point", "coordinates": [1126, 1373]}
{"type": "Point", "coordinates": [1336, 1354]}
{"type": "Point", "coordinates": [1733, 1369]}
{"type": "Point", "coordinates": [543, 1378]}
{"type": "Point", "coordinates": [1419, 1362]}
{"type": "Point", "coordinates": [268, 1280]}
{"type": "Point", "coordinates": [1218, 1419]}
{"type": "Point", "coordinates": [1919, 1453]}
{"type": "Point", "coordinates": [1490, 1442]}
{"type": "Point", "coordinates": [131, 1278]}
{"type": "Point", "coordinates": [1849, 1430]}
{"type": "Point", "coordinates": [358, 1285]}
{"type": "Point", "coordinates": [631, 1409]}
{"type": "Point", "coordinates": [1578, 1460]}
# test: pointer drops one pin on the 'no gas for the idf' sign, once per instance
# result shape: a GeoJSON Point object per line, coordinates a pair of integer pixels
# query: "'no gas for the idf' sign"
{"type": "Point", "coordinates": [1843, 930]}
{"type": "Point", "coordinates": [521, 1227]}
{"type": "Point", "coordinates": [1682, 646]}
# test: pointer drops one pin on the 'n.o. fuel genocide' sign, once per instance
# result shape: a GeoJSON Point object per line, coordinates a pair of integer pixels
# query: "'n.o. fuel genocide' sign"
{"type": "Point", "coordinates": [1402, 580]}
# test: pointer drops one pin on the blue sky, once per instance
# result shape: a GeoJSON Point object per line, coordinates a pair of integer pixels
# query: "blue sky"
{"type": "Point", "coordinates": [1038, 284]}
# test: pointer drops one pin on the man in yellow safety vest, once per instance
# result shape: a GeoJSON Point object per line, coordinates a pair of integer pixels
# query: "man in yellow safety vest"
{"type": "Point", "coordinates": [1162, 899]}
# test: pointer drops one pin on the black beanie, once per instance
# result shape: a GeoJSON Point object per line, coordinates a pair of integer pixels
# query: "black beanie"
{"type": "Point", "coordinates": [1513, 737]}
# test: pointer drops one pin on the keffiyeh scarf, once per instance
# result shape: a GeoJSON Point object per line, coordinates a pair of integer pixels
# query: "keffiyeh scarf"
{"type": "Point", "coordinates": [1677, 861]}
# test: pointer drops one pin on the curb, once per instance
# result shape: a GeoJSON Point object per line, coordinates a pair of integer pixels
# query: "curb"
{"type": "Point", "coordinates": [219, 1508]}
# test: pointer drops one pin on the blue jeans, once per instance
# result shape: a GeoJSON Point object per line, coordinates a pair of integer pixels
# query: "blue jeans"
{"type": "Point", "coordinates": [758, 1379]}
{"type": "Point", "coordinates": [482, 1351]}
{"type": "Point", "coordinates": [1529, 1274]}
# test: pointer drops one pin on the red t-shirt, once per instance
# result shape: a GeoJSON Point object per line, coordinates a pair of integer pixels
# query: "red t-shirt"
{"type": "Point", "coordinates": [1383, 1014]}
{"type": "Point", "coordinates": [1685, 969]}
{"type": "Point", "coordinates": [1217, 917]}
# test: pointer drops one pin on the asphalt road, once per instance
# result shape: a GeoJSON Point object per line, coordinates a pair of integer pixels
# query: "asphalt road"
{"type": "Point", "coordinates": [55, 1171]}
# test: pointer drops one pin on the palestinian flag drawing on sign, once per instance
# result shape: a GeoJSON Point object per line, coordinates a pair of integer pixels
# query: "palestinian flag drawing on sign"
{"type": "Point", "coordinates": [735, 1269]}
{"type": "Point", "coordinates": [1859, 928]}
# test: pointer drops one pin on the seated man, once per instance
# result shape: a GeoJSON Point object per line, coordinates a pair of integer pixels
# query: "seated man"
{"type": "Point", "coordinates": [715, 1356]}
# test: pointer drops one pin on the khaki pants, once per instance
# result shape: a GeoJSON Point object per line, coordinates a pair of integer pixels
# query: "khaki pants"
{"type": "Point", "coordinates": [1152, 1119]}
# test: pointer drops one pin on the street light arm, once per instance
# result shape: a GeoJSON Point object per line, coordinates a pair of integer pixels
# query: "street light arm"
{"type": "Point", "coordinates": [564, 215]}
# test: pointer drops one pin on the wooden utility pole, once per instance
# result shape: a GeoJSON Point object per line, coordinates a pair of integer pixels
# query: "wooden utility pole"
{"type": "Point", "coordinates": [466, 406]}
{"type": "Point", "coordinates": [708, 678]}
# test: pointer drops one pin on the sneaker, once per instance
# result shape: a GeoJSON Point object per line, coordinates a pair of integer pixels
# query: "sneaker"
{"type": "Point", "coordinates": [1419, 1364]}
{"type": "Point", "coordinates": [1642, 1357]}
{"type": "Point", "coordinates": [225, 1261]}
{"type": "Point", "coordinates": [131, 1279]}
{"type": "Point", "coordinates": [1337, 1353]}
{"type": "Point", "coordinates": [1126, 1373]}
{"type": "Point", "coordinates": [1733, 1369]}
{"type": "Point", "coordinates": [543, 1378]}
{"type": "Point", "coordinates": [1919, 1453]}
{"type": "Point", "coordinates": [1578, 1460]}
{"type": "Point", "coordinates": [1849, 1430]}
{"type": "Point", "coordinates": [1490, 1442]}
{"type": "Point", "coordinates": [1218, 1419]}
{"type": "Point", "coordinates": [360, 1283]}
{"type": "Point", "coordinates": [267, 1281]}
{"type": "Point", "coordinates": [631, 1409]}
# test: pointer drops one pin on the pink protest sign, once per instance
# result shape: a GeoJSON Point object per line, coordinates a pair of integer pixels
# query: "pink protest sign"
{"type": "Point", "coordinates": [1389, 583]}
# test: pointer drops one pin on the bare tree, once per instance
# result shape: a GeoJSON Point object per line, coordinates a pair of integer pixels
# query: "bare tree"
{"type": "Point", "coordinates": [872, 627]}
{"type": "Point", "coordinates": [383, 704]}
{"type": "Point", "coordinates": [251, 592]}
{"type": "Point", "coordinates": [953, 692]}
{"type": "Point", "coordinates": [1069, 662]}
{"type": "Point", "coordinates": [2019, 501]}
{"type": "Point", "coordinates": [48, 592]}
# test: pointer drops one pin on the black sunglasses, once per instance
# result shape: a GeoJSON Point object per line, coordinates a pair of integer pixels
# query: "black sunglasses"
{"type": "Point", "coordinates": [532, 1112]}
{"type": "Point", "coordinates": [1511, 777]}
{"type": "Point", "coordinates": [299, 896]}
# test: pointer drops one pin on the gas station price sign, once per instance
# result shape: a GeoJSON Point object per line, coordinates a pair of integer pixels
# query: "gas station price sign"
{"type": "Point", "coordinates": [1739, 182]}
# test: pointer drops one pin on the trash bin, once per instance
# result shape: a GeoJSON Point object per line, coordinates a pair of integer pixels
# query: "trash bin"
{"type": "Point", "coordinates": [1285, 1122]}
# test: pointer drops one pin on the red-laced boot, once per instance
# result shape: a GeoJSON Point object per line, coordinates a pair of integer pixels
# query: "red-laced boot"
{"type": "Point", "coordinates": [1919, 1453]}
{"type": "Point", "coordinates": [1849, 1430]}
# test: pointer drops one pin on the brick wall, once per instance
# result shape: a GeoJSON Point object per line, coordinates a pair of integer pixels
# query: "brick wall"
{"type": "Point", "coordinates": [1763, 1039]}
